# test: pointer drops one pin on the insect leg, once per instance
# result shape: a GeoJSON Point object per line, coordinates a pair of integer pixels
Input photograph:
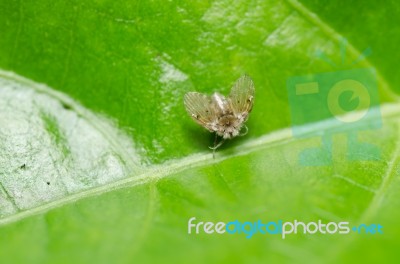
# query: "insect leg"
{"type": "Point", "coordinates": [245, 133]}
{"type": "Point", "coordinates": [215, 143]}
{"type": "Point", "coordinates": [217, 146]}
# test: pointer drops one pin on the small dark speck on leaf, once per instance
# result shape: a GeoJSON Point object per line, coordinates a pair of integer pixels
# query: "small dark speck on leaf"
{"type": "Point", "coordinates": [48, 183]}
{"type": "Point", "coordinates": [66, 106]}
{"type": "Point", "coordinates": [23, 166]}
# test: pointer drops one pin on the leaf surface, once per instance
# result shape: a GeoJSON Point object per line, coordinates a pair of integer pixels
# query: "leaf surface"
{"type": "Point", "coordinates": [106, 166]}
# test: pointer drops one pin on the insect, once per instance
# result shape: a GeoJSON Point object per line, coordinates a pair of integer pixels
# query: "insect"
{"type": "Point", "coordinates": [224, 116]}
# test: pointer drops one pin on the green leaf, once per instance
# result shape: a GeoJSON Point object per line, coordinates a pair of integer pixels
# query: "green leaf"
{"type": "Point", "coordinates": [106, 166]}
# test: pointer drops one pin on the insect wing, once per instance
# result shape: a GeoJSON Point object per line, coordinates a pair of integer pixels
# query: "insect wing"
{"type": "Point", "coordinates": [219, 104]}
{"type": "Point", "coordinates": [199, 108]}
{"type": "Point", "coordinates": [242, 96]}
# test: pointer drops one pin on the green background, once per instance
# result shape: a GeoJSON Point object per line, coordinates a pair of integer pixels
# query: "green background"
{"type": "Point", "coordinates": [132, 62]}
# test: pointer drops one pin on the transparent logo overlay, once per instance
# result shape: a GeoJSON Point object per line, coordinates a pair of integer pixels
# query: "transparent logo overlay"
{"type": "Point", "coordinates": [338, 102]}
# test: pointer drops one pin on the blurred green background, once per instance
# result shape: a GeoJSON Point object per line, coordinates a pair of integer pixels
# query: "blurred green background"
{"type": "Point", "coordinates": [132, 62]}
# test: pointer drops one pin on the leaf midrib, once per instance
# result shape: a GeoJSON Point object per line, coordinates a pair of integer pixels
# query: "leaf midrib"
{"type": "Point", "coordinates": [279, 137]}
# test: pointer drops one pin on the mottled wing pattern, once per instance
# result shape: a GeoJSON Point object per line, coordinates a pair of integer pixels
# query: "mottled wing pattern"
{"type": "Point", "coordinates": [241, 96]}
{"type": "Point", "coordinates": [199, 107]}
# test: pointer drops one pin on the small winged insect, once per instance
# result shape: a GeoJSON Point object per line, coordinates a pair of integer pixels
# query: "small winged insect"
{"type": "Point", "coordinates": [223, 115]}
